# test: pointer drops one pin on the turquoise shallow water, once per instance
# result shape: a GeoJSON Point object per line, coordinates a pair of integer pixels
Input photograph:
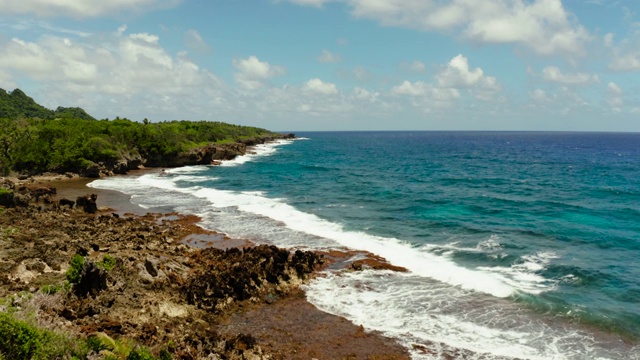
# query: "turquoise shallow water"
{"type": "Point", "coordinates": [541, 230]}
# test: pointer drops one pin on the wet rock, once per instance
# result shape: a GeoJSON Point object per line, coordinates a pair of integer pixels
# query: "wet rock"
{"type": "Point", "coordinates": [151, 265]}
{"type": "Point", "coordinates": [21, 200]}
{"type": "Point", "coordinates": [36, 266]}
{"type": "Point", "coordinates": [66, 202]}
{"type": "Point", "coordinates": [92, 280]}
{"type": "Point", "coordinates": [7, 199]}
{"type": "Point", "coordinates": [38, 191]}
{"type": "Point", "coordinates": [237, 275]}
{"type": "Point", "coordinates": [91, 171]}
{"type": "Point", "coordinates": [87, 203]}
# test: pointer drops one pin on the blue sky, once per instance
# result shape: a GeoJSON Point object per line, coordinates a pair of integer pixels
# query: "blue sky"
{"type": "Point", "coordinates": [333, 64]}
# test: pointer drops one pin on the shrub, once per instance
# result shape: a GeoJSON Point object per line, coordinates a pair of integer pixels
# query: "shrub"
{"type": "Point", "coordinates": [51, 289]}
{"type": "Point", "coordinates": [165, 355]}
{"type": "Point", "coordinates": [108, 262]}
{"type": "Point", "coordinates": [118, 349]}
{"type": "Point", "coordinates": [140, 353]}
{"type": "Point", "coordinates": [75, 270]}
{"type": "Point", "coordinates": [19, 340]}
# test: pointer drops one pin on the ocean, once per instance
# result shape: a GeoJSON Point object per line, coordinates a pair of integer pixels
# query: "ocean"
{"type": "Point", "coordinates": [518, 244]}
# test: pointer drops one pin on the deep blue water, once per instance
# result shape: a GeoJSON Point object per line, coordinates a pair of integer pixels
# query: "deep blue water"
{"type": "Point", "coordinates": [545, 225]}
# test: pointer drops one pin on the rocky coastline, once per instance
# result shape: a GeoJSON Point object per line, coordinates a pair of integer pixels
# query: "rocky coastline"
{"type": "Point", "coordinates": [219, 299]}
{"type": "Point", "coordinates": [210, 154]}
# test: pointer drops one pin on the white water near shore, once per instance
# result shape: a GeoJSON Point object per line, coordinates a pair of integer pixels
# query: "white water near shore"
{"type": "Point", "coordinates": [438, 305]}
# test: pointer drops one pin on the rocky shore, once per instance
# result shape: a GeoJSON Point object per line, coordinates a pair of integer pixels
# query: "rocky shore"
{"type": "Point", "coordinates": [202, 155]}
{"type": "Point", "coordinates": [139, 279]}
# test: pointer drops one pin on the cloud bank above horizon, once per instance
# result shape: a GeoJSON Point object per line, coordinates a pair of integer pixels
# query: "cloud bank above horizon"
{"type": "Point", "coordinates": [332, 64]}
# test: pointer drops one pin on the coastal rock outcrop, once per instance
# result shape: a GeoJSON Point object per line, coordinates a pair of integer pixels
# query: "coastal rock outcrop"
{"type": "Point", "coordinates": [87, 203]}
{"type": "Point", "coordinates": [236, 275]}
{"type": "Point", "coordinates": [22, 196]}
{"type": "Point", "coordinates": [92, 280]}
{"type": "Point", "coordinates": [136, 273]}
{"type": "Point", "coordinates": [210, 154]}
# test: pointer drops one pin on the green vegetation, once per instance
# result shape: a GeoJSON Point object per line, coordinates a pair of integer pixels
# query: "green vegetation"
{"type": "Point", "coordinates": [54, 289]}
{"type": "Point", "coordinates": [118, 349]}
{"type": "Point", "coordinates": [21, 340]}
{"type": "Point", "coordinates": [108, 262]}
{"type": "Point", "coordinates": [34, 139]}
{"type": "Point", "coordinates": [75, 269]}
{"type": "Point", "coordinates": [17, 104]}
{"type": "Point", "coordinates": [6, 231]}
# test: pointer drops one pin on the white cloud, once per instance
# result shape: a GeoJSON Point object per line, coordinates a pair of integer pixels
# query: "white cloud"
{"type": "Point", "coordinates": [543, 26]}
{"type": "Point", "coordinates": [6, 81]}
{"type": "Point", "coordinates": [416, 67]}
{"type": "Point", "coordinates": [318, 86]}
{"type": "Point", "coordinates": [328, 57]}
{"type": "Point", "coordinates": [554, 74]}
{"type": "Point", "coordinates": [80, 8]}
{"type": "Point", "coordinates": [422, 89]}
{"type": "Point", "coordinates": [608, 39]}
{"type": "Point", "coordinates": [427, 96]}
{"type": "Point", "coordinates": [539, 95]}
{"type": "Point", "coordinates": [146, 37]}
{"type": "Point", "coordinates": [366, 95]}
{"type": "Point", "coordinates": [626, 62]}
{"type": "Point", "coordinates": [458, 75]}
{"type": "Point", "coordinates": [314, 3]}
{"type": "Point", "coordinates": [252, 73]}
{"type": "Point", "coordinates": [194, 41]}
{"type": "Point", "coordinates": [417, 88]}
{"type": "Point", "coordinates": [454, 77]}
{"type": "Point", "coordinates": [625, 54]}
{"type": "Point", "coordinates": [110, 74]}
{"type": "Point", "coordinates": [614, 89]}
{"type": "Point", "coordinates": [362, 74]}
{"type": "Point", "coordinates": [614, 96]}
{"type": "Point", "coordinates": [132, 75]}
{"type": "Point", "coordinates": [28, 57]}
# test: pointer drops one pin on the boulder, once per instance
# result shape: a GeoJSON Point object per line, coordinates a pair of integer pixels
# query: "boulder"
{"type": "Point", "coordinates": [151, 265]}
{"type": "Point", "coordinates": [87, 203]}
{"type": "Point", "coordinates": [40, 191]}
{"type": "Point", "coordinates": [66, 202]}
{"type": "Point", "coordinates": [92, 280]}
{"type": "Point", "coordinates": [7, 199]}
{"type": "Point", "coordinates": [237, 275]}
{"type": "Point", "coordinates": [21, 200]}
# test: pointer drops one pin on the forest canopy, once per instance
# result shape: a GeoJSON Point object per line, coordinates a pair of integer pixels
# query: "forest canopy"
{"type": "Point", "coordinates": [35, 139]}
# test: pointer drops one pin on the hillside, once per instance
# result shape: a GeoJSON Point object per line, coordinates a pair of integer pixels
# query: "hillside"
{"type": "Point", "coordinates": [16, 104]}
{"type": "Point", "coordinates": [35, 140]}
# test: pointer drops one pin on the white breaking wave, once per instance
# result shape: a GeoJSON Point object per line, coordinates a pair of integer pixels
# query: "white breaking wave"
{"type": "Point", "coordinates": [394, 250]}
{"type": "Point", "coordinates": [259, 150]}
{"type": "Point", "coordinates": [525, 272]}
{"type": "Point", "coordinates": [522, 275]}
{"type": "Point", "coordinates": [420, 308]}
{"type": "Point", "coordinates": [424, 314]}
{"type": "Point", "coordinates": [187, 169]}
{"type": "Point", "coordinates": [418, 261]}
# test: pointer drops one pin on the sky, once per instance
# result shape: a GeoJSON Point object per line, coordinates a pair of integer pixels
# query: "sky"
{"type": "Point", "coordinates": [300, 65]}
